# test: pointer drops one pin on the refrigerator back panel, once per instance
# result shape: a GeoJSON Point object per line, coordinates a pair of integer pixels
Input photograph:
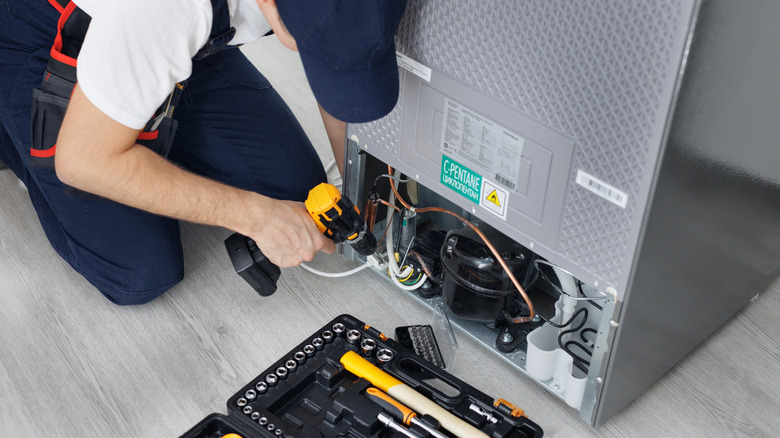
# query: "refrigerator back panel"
{"type": "Point", "coordinates": [544, 118]}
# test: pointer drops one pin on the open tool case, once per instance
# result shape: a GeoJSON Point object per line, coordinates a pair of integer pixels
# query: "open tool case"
{"type": "Point", "coordinates": [309, 393]}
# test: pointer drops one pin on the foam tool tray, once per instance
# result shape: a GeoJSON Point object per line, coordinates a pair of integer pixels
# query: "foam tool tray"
{"type": "Point", "coordinates": [309, 392]}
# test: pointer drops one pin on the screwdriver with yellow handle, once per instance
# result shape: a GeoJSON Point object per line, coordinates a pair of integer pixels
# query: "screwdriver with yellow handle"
{"type": "Point", "coordinates": [400, 412]}
{"type": "Point", "coordinates": [404, 393]}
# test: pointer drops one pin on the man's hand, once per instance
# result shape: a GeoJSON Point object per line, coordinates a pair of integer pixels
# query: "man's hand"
{"type": "Point", "coordinates": [288, 235]}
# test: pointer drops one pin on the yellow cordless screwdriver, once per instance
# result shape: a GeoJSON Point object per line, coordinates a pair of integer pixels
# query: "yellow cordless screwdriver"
{"type": "Point", "coordinates": [336, 217]}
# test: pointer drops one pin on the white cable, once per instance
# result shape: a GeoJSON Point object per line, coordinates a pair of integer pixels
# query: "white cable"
{"type": "Point", "coordinates": [392, 262]}
{"type": "Point", "coordinates": [409, 287]}
{"type": "Point", "coordinates": [335, 274]}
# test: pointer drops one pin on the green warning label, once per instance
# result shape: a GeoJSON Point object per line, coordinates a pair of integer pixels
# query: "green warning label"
{"type": "Point", "coordinates": [460, 178]}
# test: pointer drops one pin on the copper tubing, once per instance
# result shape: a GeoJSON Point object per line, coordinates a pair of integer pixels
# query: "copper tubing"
{"type": "Point", "coordinates": [370, 215]}
{"type": "Point", "coordinates": [484, 239]}
{"type": "Point", "coordinates": [389, 222]}
{"type": "Point", "coordinates": [425, 267]}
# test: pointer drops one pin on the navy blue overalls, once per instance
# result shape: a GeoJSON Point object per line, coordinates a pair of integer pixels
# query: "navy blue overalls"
{"type": "Point", "coordinates": [232, 127]}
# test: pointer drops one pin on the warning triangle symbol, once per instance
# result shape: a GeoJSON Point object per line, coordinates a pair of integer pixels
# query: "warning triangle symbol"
{"type": "Point", "coordinates": [493, 197]}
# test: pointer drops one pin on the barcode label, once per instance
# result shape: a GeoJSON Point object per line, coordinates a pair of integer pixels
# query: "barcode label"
{"type": "Point", "coordinates": [505, 182]}
{"type": "Point", "coordinates": [602, 189]}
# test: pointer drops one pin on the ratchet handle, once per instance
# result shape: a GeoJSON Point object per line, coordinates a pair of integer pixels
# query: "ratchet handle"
{"type": "Point", "coordinates": [391, 405]}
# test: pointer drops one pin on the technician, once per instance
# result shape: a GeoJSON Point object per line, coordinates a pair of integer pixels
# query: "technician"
{"type": "Point", "coordinates": [239, 159]}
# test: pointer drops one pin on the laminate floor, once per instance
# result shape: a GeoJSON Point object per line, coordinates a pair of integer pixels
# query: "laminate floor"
{"type": "Point", "coordinates": [73, 365]}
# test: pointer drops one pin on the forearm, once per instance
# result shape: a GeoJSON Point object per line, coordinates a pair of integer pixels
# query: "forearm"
{"type": "Point", "coordinates": [100, 156]}
{"type": "Point", "coordinates": [337, 131]}
{"type": "Point", "coordinates": [142, 179]}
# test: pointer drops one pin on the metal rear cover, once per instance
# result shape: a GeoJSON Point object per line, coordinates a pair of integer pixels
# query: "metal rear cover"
{"type": "Point", "coordinates": [587, 86]}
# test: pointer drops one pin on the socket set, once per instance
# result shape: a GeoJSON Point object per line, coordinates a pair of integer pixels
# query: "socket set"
{"type": "Point", "coordinates": [336, 383]}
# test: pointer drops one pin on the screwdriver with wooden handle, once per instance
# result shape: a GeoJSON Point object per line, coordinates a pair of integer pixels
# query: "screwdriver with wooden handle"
{"type": "Point", "coordinates": [400, 412]}
{"type": "Point", "coordinates": [404, 393]}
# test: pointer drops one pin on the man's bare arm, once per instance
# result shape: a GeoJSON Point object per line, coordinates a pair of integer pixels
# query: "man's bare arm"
{"type": "Point", "coordinates": [337, 131]}
{"type": "Point", "coordinates": [99, 155]}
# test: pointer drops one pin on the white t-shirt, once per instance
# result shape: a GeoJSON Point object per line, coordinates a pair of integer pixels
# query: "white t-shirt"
{"type": "Point", "coordinates": [136, 51]}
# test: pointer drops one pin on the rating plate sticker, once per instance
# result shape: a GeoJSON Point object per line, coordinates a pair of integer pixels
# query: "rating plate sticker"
{"type": "Point", "coordinates": [494, 198]}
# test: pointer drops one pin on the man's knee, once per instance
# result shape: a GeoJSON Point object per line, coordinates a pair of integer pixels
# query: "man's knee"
{"type": "Point", "coordinates": [136, 286]}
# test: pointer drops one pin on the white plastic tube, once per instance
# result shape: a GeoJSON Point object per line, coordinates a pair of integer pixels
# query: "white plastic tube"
{"type": "Point", "coordinates": [334, 274]}
{"type": "Point", "coordinates": [569, 288]}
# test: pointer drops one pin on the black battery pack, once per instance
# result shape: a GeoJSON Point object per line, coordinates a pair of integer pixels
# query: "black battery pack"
{"type": "Point", "coordinates": [310, 393]}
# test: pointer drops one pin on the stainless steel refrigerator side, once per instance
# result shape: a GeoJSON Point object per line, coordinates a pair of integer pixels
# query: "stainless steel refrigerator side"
{"type": "Point", "coordinates": [712, 236]}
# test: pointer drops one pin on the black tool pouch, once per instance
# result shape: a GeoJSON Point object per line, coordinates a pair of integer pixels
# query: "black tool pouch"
{"type": "Point", "coordinates": [48, 111]}
{"type": "Point", "coordinates": [50, 101]}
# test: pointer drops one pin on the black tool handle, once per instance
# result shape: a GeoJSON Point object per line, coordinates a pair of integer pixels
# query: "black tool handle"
{"type": "Point", "coordinates": [251, 264]}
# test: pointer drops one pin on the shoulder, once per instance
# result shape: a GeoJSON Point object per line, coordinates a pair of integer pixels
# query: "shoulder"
{"type": "Point", "coordinates": [135, 51]}
{"type": "Point", "coordinates": [140, 14]}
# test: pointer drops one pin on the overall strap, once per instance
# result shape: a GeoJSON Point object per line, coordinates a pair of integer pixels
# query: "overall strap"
{"type": "Point", "coordinates": [71, 29]}
{"type": "Point", "coordinates": [221, 30]}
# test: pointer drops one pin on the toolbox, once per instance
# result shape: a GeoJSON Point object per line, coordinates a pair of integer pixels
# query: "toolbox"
{"type": "Point", "coordinates": [315, 391]}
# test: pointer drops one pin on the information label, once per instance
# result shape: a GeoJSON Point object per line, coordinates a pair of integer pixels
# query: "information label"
{"type": "Point", "coordinates": [606, 191]}
{"type": "Point", "coordinates": [413, 66]}
{"type": "Point", "coordinates": [461, 179]}
{"type": "Point", "coordinates": [473, 138]}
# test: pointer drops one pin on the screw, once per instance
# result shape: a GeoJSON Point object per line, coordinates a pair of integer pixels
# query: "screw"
{"type": "Point", "coordinates": [507, 338]}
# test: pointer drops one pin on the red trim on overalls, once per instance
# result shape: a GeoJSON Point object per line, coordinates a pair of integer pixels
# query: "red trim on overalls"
{"type": "Point", "coordinates": [149, 135]}
{"type": "Point", "coordinates": [57, 6]}
{"type": "Point", "coordinates": [56, 49]}
{"type": "Point", "coordinates": [43, 153]}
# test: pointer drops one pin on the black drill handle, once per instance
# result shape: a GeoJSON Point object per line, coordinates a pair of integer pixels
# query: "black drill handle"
{"type": "Point", "coordinates": [252, 265]}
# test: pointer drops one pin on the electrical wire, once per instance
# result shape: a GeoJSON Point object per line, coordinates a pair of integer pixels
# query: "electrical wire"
{"type": "Point", "coordinates": [499, 259]}
{"type": "Point", "coordinates": [425, 267]}
{"type": "Point", "coordinates": [579, 362]}
{"type": "Point", "coordinates": [579, 288]}
{"type": "Point", "coordinates": [586, 340]}
{"type": "Point", "coordinates": [393, 267]}
{"type": "Point", "coordinates": [403, 180]}
{"type": "Point", "coordinates": [334, 274]}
